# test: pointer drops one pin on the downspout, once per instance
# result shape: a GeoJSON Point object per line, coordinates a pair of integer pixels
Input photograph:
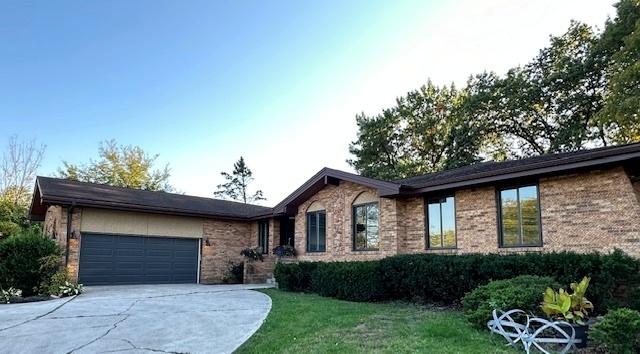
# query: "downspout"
{"type": "Point", "coordinates": [69, 219]}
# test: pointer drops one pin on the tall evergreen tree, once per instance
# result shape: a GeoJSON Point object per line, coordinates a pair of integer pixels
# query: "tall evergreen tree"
{"type": "Point", "coordinates": [237, 183]}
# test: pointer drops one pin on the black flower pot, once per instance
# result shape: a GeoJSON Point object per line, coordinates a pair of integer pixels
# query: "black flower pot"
{"type": "Point", "coordinates": [581, 333]}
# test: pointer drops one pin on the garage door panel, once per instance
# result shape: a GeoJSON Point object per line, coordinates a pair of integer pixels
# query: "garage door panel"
{"type": "Point", "coordinates": [119, 259]}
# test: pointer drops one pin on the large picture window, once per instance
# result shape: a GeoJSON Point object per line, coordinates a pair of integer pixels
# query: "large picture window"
{"type": "Point", "coordinates": [520, 217]}
{"type": "Point", "coordinates": [263, 236]}
{"type": "Point", "coordinates": [366, 235]}
{"type": "Point", "coordinates": [441, 221]}
{"type": "Point", "coordinates": [316, 231]}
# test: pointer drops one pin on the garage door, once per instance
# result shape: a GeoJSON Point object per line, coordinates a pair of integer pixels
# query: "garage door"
{"type": "Point", "coordinates": [118, 259]}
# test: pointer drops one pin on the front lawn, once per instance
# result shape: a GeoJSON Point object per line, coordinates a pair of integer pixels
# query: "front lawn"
{"type": "Point", "coordinates": [302, 323]}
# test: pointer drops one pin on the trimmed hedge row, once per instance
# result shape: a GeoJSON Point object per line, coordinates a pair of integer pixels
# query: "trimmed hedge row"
{"type": "Point", "coordinates": [615, 277]}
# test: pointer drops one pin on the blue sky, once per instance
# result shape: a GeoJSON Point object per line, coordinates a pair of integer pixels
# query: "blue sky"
{"type": "Point", "coordinates": [279, 82]}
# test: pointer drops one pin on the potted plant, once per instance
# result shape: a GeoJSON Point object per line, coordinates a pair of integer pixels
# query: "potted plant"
{"type": "Point", "coordinates": [284, 251]}
{"type": "Point", "coordinates": [254, 254]}
{"type": "Point", "coordinates": [570, 307]}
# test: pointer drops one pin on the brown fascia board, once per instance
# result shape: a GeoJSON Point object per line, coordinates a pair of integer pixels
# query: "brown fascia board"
{"type": "Point", "coordinates": [531, 172]}
{"type": "Point", "coordinates": [55, 200]}
{"type": "Point", "coordinates": [324, 176]}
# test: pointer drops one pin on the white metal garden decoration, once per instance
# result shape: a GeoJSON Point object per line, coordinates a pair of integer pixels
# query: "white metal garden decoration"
{"type": "Point", "coordinates": [537, 332]}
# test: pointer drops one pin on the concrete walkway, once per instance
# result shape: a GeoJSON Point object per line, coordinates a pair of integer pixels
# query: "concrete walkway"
{"type": "Point", "coordinates": [186, 318]}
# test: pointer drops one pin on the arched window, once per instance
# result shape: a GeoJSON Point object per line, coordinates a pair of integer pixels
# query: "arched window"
{"type": "Point", "coordinates": [316, 228]}
{"type": "Point", "coordinates": [366, 214]}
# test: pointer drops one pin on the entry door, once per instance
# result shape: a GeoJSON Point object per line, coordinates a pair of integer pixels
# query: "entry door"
{"type": "Point", "coordinates": [120, 259]}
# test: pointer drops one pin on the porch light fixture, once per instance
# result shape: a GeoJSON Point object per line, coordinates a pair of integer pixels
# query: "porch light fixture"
{"type": "Point", "coordinates": [207, 243]}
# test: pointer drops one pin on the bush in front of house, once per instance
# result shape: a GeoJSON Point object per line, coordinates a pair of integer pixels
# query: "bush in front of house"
{"type": "Point", "coordinates": [615, 277]}
{"type": "Point", "coordinates": [353, 281]}
{"type": "Point", "coordinates": [61, 285]}
{"type": "Point", "coordinates": [27, 260]}
{"type": "Point", "coordinates": [618, 332]}
{"type": "Point", "coordinates": [294, 276]}
{"type": "Point", "coordinates": [524, 292]}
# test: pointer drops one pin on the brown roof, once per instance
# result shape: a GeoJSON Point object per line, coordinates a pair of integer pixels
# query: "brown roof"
{"type": "Point", "coordinates": [67, 192]}
{"type": "Point", "coordinates": [488, 172]}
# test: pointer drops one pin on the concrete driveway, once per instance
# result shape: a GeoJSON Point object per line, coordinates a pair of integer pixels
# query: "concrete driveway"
{"type": "Point", "coordinates": [138, 319]}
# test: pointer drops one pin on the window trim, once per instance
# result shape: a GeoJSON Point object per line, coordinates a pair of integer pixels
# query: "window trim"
{"type": "Point", "coordinates": [427, 242]}
{"type": "Point", "coordinates": [265, 223]}
{"type": "Point", "coordinates": [306, 228]}
{"type": "Point", "coordinates": [353, 227]}
{"type": "Point", "coordinates": [517, 186]}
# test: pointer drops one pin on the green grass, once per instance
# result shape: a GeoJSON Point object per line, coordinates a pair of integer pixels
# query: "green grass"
{"type": "Point", "coordinates": [306, 323]}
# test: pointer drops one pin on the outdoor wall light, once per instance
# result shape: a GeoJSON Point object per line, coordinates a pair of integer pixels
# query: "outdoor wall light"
{"type": "Point", "coordinates": [207, 243]}
{"type": "Point", "coordinates": [74, 235]}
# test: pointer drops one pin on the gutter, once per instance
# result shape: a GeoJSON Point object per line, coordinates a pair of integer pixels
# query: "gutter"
{"type": "Point", "coordinates": [69, 219]}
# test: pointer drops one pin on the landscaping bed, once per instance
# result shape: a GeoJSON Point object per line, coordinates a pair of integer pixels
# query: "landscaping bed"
{"type": "Point", "coordinates": [308, 323]}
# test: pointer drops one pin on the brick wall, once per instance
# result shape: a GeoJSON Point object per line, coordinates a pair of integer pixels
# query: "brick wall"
{"type": "Point", "coordinates": [55, 226]}
{"type": "Point", "coordinates": [582, 212]}
{"type": "Point", "coordinates": [592, 211]}
{"type": "Point", "coordinates": [338, 203]}
{"type": "Point", "coordinates": [226, 240]}
{"type": "Point", "coordinates": [258, 272]}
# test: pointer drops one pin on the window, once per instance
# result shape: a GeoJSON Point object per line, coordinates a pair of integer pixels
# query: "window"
{"type": "Point", "coordinates": [519, 217]}
{"type": "Point", "coordinates": [316, 231]}
{"type": "Point", "coordinates": [263, 236]}
{"type": "Point", "coordinates": [441, 221]}
{"type": "Point", "coordinates": [365, 227]}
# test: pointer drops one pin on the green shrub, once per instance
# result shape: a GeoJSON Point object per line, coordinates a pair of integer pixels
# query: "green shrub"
{"type": "Point", "coordinates": [524, 292]}
{"type": "Point", "coordinates": [294, 276]}
{"type": "Point", "coordinates": [353, 281]}
{"type": "Point", "coordinates": [235, 273]}
{"type": "Point", "coordinates": [615, 278]}
{"type": "Point", "coordinates": [27, 261]}
{"type": "Point", "coordinates": [619, 331]}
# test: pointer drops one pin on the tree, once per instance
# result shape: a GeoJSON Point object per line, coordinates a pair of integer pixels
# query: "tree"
{"type": "Point", "coordinates": [121, 166]}
{"type": "Point", "coordinates": [424, 132]}
{"type": "Point", "coordinates": [582, 90]}
{"type": "Point", "coordinates": [619, 48]}
{"type": "Point", "coordinates": [18, 169]}
{"type": "Point", "coordinates": [546, 106]}
{"type": "Point", "coordinates": [236, 187]}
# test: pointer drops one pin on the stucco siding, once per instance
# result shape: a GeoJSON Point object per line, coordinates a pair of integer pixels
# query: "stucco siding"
{"type": "Point", "coordinates": [130, 223]}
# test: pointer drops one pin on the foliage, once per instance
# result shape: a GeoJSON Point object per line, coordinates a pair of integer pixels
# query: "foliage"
{"type": "Point", "coordinates": [6, 296]}
{"type": "Point", "coordinates": [284, 251]}
{"type": "Point", "coordinates": [237, 183]}
{"type": "Point", "coordinates": [354, 281]}
{"type": "Point", "coordinates": [253, 253]}
{"type": "Point", "coordinates": [582, 90]}
{"type": "Point", "coordinates": [13, 217]}
{"type": "Point", "coordinates": [61, 285]}
{"type": "Point", "coordinates": [446, 279]}
{"type": "Point", "coordinates": [619, 48]}
{"type": "Point", "coordinates": [568, 307]}
{"type": "Point", "coordinates": [122, 166]}
{"type": "Point", "coordinates": [235, 273]}
{"type": "Point", "coordinates": [294, 276]}
{"type": "Point", "coordinates": [70, 289]}
{"type": "Point", "coordinates": [307, 323]}
{"type": "Point", "coordinates": [27, 260]}
{"type": "Point", "coordinates": [619, 331]}
{"type": "Point", "coordinates": [394, 144]}
{"type": "Point", "coordinates": [523, 292]}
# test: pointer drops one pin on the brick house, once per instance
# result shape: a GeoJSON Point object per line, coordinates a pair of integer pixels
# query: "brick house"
{"type": "Point", "coordinates": [580, 201]}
